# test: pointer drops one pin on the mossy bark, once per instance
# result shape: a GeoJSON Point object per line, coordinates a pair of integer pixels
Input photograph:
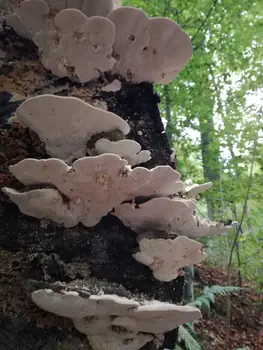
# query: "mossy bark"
{"type": "Point", "coordinates": [30, 249]}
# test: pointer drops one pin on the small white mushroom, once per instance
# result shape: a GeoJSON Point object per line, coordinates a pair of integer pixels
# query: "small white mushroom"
{"type": "Point", "coordinates": [65, 124]}
{"type": "Point", "coordinates": [193, 190]}
{"type": "Point", "coordinates": [86, 191]}
{"type": "Point", "coordinates": [235, 224]}
{"type": "Point", "coordinates": [112, 87]}
{"type": "Point", "coordinates": [77, 47]}
{"type": "Point", "coordinates": [127, 149]}
{"type": "Point", "coordinates": [171, 215]}
{"type": "Point", "coordinates": [166, 257]}
{"type": "Point", "coordinates": [152, 50]}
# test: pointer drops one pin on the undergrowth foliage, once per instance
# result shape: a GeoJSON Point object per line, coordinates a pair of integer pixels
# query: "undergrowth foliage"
{"type": "Point", "coordinates": [209, 293]}
{"type": "Point", "coordinates": [187, 338]}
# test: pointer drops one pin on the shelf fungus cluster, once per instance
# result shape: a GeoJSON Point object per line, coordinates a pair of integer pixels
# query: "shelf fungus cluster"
{"type": "Point", "coordinates": [89, 176]}
{"type": "Point", "coordinates": [83, 39]}
{"type": "Point", "coordinates": [112, 322]}
{"type": "Point", "coordinates": [92, 166]}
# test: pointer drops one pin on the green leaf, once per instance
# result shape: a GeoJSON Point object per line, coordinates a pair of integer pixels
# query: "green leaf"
{"type": "Point", "coordinates": [209, 294]}
{"type": "Point", "coordinates": [189, 341]}
{"type": "Point", "coordinates": [178, 347]}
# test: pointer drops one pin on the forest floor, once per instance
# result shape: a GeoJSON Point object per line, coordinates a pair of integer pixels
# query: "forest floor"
{"type": "Point", "coordinates": [244, 330]}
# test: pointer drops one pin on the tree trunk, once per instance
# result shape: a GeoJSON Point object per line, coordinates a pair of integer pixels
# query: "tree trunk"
{"type": "Point", "coordinates": [210, 157]}
{"type": "Point", "coordinates": [30, 249]}
{"type": "Point", "coordinates": [168, 113]}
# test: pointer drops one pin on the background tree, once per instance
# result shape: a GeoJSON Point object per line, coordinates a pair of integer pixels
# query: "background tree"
{"type": "Point", "coordinates": [213, 111]}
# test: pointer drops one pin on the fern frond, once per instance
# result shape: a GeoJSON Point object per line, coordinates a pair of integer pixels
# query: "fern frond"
{"type": "Point", "coordinates": [224, 290]}
{"type": "Point", "coordinates": [186, 333]}
{"type": "Point", "coordinates": [189, 341]}
{"type": "Point", "coordinates": [200, 302]}
{"type": "Point", "coordinates": [178, 347]}
{"type": "Point", "coordinates": [209, 293]}
{"type": "Point", "coordinates": [190, 327]}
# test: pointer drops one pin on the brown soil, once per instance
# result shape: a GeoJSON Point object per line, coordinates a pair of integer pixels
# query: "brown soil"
{"type": "Point", "coordinates": [246, 320]}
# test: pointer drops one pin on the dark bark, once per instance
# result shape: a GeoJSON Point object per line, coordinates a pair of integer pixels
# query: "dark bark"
{"type": "Point", "coordinates": [29, 250]}
{"type": "Point", "coordinates": [168, 113]}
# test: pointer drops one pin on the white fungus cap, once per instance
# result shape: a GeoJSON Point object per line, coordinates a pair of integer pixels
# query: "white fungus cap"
{"type": "Point", "coordinates": [65, 124]}
{"type": "Point", "coordinates": [77, 46]}
{"type": "Point", "coordinates": [113, 321]}
{"type": "Point", "coordinates": [126, 149]}
{"type": "Point", "coordinates": [77, 40]}
{"type": "Point", "coordinates": [171, 215]}
{"type": "Point", "coordinates": [29, 17]}
{"type": "Point", "coordinates": [87, 190]}
{"type": "Point", "coordinates": [192, 190]}
{"type": "Point", "coordinates": [152, 50]}
{"type": "Point", "coordinates": [166, 257]}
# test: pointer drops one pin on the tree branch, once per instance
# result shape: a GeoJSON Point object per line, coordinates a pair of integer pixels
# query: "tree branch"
{"type": "Point", "coordinates": [205, 19]}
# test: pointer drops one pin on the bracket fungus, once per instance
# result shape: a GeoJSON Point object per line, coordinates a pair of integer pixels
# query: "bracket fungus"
{"type": "Point", "coordinates": [70, 304]}
{"type": "Point", "coordinates": [166, 257]}
{"type": "Point", "coordinates": [176, 215]}
{"type": "Point", "coordinates": [160, 181]}
{"type": "Point", "coordinates": [113, 321]}
{"type": "Point", "coordinates": [114, 86]}
{"type": "Point", "coordinates": [77, 47]}
{"type": "Point", "coordinates": [97, 7]}
{"type": "Point", "coordinates": [32, 16]}
{"type": "Point", "coordinates": [127, 149]}
{"type": "Point", "coordinates": [192, 190]}
{"type": "Point", "coordinates": [65, 124]}
{"type": "Point", "coordinates": [45, 203]}
{"type": "Point", "coordinates": [103, 336]}
{"type": "Point", "coordinates": [82, 39]}
{"type": "Point", "coordinates": [83, 193]}
{"type": "Point", "coordinates": [87, 190]}
{"type": "Point", "coordinates": [152, 50]}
